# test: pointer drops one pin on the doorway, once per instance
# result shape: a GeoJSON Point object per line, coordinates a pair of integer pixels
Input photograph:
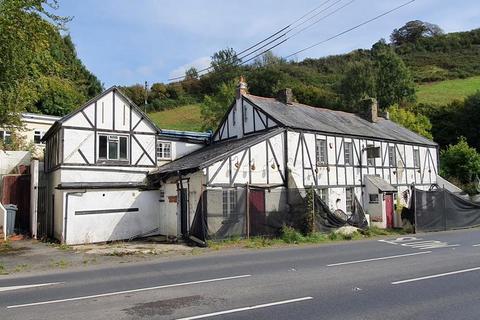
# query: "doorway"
{"type": "Point", "coordinates": [184, 205]}
{"type": "Point", "coordinates": [257, 212]}
{"type": "Point", "coordinates": [389, 209]}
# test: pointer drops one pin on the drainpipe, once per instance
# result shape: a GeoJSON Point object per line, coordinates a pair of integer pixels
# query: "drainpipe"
{"type": "Point", "coordinates": [184, 236]}
{"type": "Point", "coordinates": [77, 194]}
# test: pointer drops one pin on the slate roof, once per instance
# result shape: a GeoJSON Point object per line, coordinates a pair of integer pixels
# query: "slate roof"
{"type": "Point", "coordinates": [210, 154]}
{"type": "Point", "coordinates": [381, 184]}
{"type": "Point", "coordinates": [304, 117]}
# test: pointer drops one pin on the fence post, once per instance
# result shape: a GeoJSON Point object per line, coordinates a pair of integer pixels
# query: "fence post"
{"type": "Point", "coordinates": [247, 211]}
{"type": "Point", "coordinates": [415, 208]}
{"type": "Point", "coordinates": [444, 194]}
{"type": "Point", "coordinates": [34, 167]}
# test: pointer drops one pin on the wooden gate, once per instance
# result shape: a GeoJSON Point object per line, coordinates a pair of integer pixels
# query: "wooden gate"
{"type": "Point", "coordinates": [16, 190]}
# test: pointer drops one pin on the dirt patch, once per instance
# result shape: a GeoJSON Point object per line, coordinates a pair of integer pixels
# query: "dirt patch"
{"type": "Point", "coordinates": [162, 307]}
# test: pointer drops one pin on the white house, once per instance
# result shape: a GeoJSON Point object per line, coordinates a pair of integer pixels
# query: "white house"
{"type": "Point", "coordinates": [97, 159]}
{"type": "Point", "coordinates": [277, 144]}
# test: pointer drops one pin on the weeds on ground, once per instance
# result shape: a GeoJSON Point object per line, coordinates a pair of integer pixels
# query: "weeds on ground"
{"type": "Point", "coordinates": [21, 267]}
{"type": "Point", "coordinates": [3, 270]}
{"type": "Point", "coordinates": [5, 247]}
{"type": "Point", "coordinates": [60, 264]}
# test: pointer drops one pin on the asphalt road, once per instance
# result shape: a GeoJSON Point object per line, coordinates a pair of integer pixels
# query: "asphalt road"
{"type": "Point", "coordinates": [436, 276]}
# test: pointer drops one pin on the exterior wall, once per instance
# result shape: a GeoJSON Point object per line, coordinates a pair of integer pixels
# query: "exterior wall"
{"type": "Point", "coordinates": [122, 214]}
{"type": "Point", "coordinates": [243, 118]}
{"type": "Point", "coordinates": [259, 164]}
{"type": "Point", "coordinates": [179, 149]}
{"type": "Point", "coordinates": [11, 159]}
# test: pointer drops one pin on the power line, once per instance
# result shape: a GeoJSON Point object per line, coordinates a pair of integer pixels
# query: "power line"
{"type": "Point", "coordinates": [350, 29]}
{"type": "Point", "coordinates": [271, 36]}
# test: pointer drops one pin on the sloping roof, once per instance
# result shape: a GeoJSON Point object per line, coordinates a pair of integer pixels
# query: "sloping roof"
{"type": "Point", "coordinates": [381, 184]}
{"type": "Point", "coordinates": [304, 117]}
{"type": "Point", "coordinates": [59, 122]}
{"type": "Point", "coordinates": [210, 154]}
{"type": "Point", "coordinates": [189, 136]}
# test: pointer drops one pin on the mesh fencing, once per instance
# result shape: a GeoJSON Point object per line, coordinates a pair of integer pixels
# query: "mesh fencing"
{"type": "Point", "coordinates": [248, 212]}
{"type": "Point", "coordinates": [440, 209]}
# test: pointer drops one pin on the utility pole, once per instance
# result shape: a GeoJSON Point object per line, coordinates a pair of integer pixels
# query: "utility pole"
{"type": "Point", "coordinates": [146, 97]}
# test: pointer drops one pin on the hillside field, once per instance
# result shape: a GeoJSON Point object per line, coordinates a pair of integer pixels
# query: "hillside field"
{"type": "Point", "coordinates": [186, 118]}
{"type": "Point", "coordinates": [446, 91]}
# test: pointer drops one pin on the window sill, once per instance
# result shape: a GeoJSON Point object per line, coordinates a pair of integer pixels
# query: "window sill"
{"type": "Point", "coordinates": [110, 162]}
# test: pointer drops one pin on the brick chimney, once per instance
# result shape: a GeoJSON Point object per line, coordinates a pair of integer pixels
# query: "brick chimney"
{"type": "Point", "coordinates": [369, 109]}
{"type": "Point", "coordinates": [285, 96]}
{"type": "Point", "coordinates": [241, 87]}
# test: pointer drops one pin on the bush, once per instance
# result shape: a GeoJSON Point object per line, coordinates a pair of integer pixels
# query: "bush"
{"type": "Point", "coordinates": [290, 235]}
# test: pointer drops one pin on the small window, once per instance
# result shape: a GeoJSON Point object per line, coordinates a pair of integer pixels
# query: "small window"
{"type": "Point", "coordinates": [392, 157]}
{"type": "Point", "coordinates": [348, 153]}
{"type": "Point", "coordinates": [112, 147]}
{"type": "Point", "coordinates": [370, 158]}
{"type": "Point", "coordinates": [416, 158]}
{"type": "Point", "coordinates": [37, 136]}
{"type": "Point", "coordinates": [229, 202]}
{"type": "Point", "coordinates": [164, 150]}
{"type": "Point", "coordinates": [349, 199]}
{"type": "Point", "coordinates": [373, 198]}
{"type": "Point", "coordinates": [321, 152]}
{"type": "Point", "coordinates": [323, 193]}
{"type": "Point", "coordinates": [6, 136]}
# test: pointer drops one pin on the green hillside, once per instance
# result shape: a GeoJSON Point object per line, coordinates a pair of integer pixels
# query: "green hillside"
{"type": "Point", "coordinates": [444, 92]}
{"type": "Point", "coordinates": [185, 118]}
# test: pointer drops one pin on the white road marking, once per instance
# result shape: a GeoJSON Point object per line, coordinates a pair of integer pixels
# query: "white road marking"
{"type": "Point", "coordinates": [476, 245]}
{"type": "Point", "coordinates": [259, 306]}
{"type": "Point", "coordinates": [127, 291]}
{"type": "Point", "coordinates": [27, 286]}
{"type": "Point", "coordinates": [437, 275]}
{"type": "Point", "coordinates": [375, 259]}
{"type": "Point", "coordinates": [419, 243]}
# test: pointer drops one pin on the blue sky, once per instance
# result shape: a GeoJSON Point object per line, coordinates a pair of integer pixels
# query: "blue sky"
{"type": "Point", "coordinates": [125, 42]}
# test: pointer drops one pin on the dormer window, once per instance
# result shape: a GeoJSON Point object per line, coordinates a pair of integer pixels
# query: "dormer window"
{"type": "Point", "coordinates": [112, 147]}
{"type": "Point", "coordinates": [164, 150]}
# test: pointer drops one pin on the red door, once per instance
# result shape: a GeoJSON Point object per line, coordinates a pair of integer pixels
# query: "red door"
{"type": "Point", "coordinates": [257, 212]}
{"type": "Point", "coordinates": [389, 209]}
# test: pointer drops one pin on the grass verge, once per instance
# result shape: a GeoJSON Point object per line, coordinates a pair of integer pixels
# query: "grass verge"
{"type": "Point", "coordinates": [444, 92]}
{"type": "Point", "coordinates": [187, 118]}
{"type": "Point", "coordinates": [291, 236]}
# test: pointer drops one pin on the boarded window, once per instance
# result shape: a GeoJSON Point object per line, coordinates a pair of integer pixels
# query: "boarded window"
{"type": "Point", "coordinates": [321, 151]}
{"type": "Point", "coordinates": [416, 158]}
{"type": "Point", "coordinates": [164, 150]}
{"type": "Point", "coordinates": [392, 157]}
{"type": "Point", "coordinates": [348, 153]}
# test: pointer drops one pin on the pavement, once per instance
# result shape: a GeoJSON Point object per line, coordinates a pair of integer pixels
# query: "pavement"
{"type": "Point", "coordinates": [427, 276]}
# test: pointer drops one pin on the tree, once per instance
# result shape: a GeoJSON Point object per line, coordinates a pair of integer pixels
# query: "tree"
{"type": "Point", "coordinates": [358, 83]}
{"type": "Point", "coordinates": [416, 122]}
{"type": "Point", "coordinates": [191, 73]}
{"type": "Point", "coordinates": [213, 108]}
{"type": "Point", "coordinates": [412, 31]}
{"type": "Point", "coordinates": [224, 59]}
{"type": "Point", "coordinates": [469, 119]}
{"type": "Point", "coordinates": [394, 84]}
{"type": "Point", "coordinates": [157, 91]}
{"type": "Point", "coordinates": [136, 93]}
{"type": "Point", "coordinates": [460, 161]}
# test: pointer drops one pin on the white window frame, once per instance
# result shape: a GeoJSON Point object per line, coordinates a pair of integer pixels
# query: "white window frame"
{"type": "Point", "coordinates": [416, 158]}
{"type": "Point", "coordinates": [321, 152]}
{"type": "Point", "coordinates": [372, 196]}
{"type": "Point", "coordinates": [6, 134]}
{"type": "Point", "coordinates": [348, 146]}
{"type": "Point", "coordinates": [38, 133]}
{"type": "Point", "coordinates": [370, 161]}
{"type": "Point", "coordinates": [161, 146]}
{"type": "Point", "coordinates": [229, 202]}
{"type": "Point", "coordinates": [392, 156]}
{"type": "Point", "coordinates": [113, 137]}
{"type": "Point", "coordinates": [349, 202]}
{"type": "Point", "coordinates": [323, 193]}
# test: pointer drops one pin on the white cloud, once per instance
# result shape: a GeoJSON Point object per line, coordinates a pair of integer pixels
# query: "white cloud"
{"type": "Point", "coordinates": [200, 63]}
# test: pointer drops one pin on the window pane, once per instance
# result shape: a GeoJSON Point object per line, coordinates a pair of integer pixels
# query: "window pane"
{"type": "Point", "coordinates": [102, 147]}
{"type": "Point", "coordinates": [113, 150]}
{"type": "Point", "coordinates": [167, 150]}
{"type": "Point", "coordinates": [123, 148]}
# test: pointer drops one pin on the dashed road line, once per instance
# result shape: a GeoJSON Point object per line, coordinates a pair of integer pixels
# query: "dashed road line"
{"type": "Point", "coordinates": [259, 306]}
{"type": "Point", "coordinates": [436, 275]}
{"type": "Point", "coordinates": [28, 286]}
{"type": "Point", "coordinates": [380, 258]}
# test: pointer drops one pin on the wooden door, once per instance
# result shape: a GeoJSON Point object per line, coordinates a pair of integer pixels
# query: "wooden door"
{"type": "Point", "coordinates": [389, 209]}
{"type": "Point", "coordinates": [257, 212]}
{"type": "Point", "coordinates": [16, 190]}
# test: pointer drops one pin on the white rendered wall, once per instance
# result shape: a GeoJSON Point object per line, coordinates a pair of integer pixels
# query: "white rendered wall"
{"type": "Point", "coordinates": [100, 227]}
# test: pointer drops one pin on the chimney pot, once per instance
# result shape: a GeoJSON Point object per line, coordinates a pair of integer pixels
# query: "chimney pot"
{"type": "Point", "coordinates": [285, 96]}
{"type": "Point", "coordinates": [241, 87]}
